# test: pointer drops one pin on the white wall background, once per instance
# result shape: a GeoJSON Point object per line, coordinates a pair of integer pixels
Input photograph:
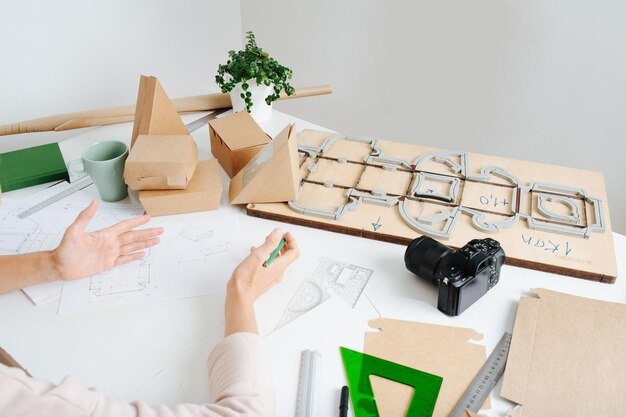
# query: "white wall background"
{"type": "Point", "coordinates": [71, 55]}
{"type": "Point", "coordinates": [543, 80]}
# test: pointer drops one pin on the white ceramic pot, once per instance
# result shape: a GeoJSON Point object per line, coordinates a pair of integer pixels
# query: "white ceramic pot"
{"type": "Point", "coordinates": [260, 110]}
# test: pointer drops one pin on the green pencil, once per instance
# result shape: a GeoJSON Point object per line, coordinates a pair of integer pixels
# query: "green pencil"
{"type": "Point", "coordinates": [275, 253]}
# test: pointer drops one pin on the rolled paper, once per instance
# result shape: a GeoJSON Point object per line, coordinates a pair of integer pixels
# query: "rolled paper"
{"type": "Point", "coordinates": [119, 114]}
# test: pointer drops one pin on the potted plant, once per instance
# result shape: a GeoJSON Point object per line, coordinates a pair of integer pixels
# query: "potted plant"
{"type": "Point", "coordinates": [253, 79]}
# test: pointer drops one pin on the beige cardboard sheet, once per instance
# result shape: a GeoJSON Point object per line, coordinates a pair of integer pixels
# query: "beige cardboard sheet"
{"type": "Point", "coordinates": [440, 350]}
{"type": "Point", "coordinates": [567, 357]}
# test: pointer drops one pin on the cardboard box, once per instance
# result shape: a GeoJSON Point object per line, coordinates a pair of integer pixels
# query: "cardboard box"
{"type": "Point", "coordinates": [161, 162]}
{"type": "Point", "coordinates": [154, 112]}
{"type": "Point", "coordinates": [235, 140]}
{"type": "Point", "coordinates": [273, 175]}
{"type": "Point", "coordinates": [204, 193]}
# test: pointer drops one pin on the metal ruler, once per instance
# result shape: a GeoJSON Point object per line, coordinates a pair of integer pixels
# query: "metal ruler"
{"type": "Point", "coordinates": [488, 376]}
{"type": "Point", "coordinates": [87, 181]}
{"type": "Point", "coordinates": [309, 384]}
{"type": "Point", "coordinates": [74, 187]}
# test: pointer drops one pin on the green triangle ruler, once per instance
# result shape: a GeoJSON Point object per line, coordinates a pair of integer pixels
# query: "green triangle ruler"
{"type": "Point", "coordinates": [359, 367]}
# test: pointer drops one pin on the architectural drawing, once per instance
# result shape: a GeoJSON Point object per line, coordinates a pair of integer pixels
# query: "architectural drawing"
{"type": "Point", "coordinates": [23, 235]}
{"type": "Point", "coordinates": [134, 279]}
{"type": "Point", "coordinates": [196, 234]}
{"type": "Point", "coordinates": [206, 252]}
{"type": "Point", "coordinates": [43, 230]}
{"type": "Point", "coordinates": [330, 278]}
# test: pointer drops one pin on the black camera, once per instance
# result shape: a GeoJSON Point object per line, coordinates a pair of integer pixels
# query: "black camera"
{"type": "Point", "coordinates": [463, 276]}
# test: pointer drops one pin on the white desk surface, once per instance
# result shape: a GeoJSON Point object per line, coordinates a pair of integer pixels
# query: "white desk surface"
{"type": "Point", "coordinates": [157, 352]}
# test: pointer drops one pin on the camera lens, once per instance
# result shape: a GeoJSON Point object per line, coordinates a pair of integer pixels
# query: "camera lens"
{"type": "Point", "coordinates": [422, 255]}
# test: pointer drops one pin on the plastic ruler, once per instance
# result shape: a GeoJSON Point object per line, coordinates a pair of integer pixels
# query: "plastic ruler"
{"type": "Point", "coordinates": [87, 181]}
{"type": "Point", "coordinates": [359, 367]}
{"type": "Point", "coordinates": [488, 376]}
{"type": "Point", "coordinates": [309, 384]}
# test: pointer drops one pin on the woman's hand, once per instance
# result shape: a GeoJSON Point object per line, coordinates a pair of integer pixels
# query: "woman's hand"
{"type": "Point", "coordinates": [81, 254]}
{"type": "Point", "coordinates": [251, 279]}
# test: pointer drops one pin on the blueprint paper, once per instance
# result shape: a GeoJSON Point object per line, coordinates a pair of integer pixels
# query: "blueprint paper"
{"type": "Point", "coordinates": [192, 259]}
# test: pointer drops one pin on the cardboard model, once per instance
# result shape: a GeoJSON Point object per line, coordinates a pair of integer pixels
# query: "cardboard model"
{"type": "Point", "coordinates": [161, 162]}
{"type": "Point", "coordinates": [273, 175]}
{"type": "Point", "coordinates": [163, 155]}
{"type": "Point", "coordinates": [154, 113]}
{"type": "Point", "coordinates": [235, 140]}
{"type": "Point", "coordinates": [204, 193]}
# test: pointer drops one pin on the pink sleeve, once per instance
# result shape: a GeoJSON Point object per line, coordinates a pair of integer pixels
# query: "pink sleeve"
{"type": "Point", "coordinates": [240, 386]}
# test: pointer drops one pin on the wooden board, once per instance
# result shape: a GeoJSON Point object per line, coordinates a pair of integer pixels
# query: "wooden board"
{"type": "Point", "coordinates": [546, 217]}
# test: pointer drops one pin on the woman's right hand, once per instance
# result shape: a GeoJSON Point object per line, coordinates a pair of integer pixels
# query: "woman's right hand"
{"type": "Point", "coordinates": [251, 279]}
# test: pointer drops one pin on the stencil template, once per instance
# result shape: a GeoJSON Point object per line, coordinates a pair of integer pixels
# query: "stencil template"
{"type": "Point", "coordinates": [546, 217]}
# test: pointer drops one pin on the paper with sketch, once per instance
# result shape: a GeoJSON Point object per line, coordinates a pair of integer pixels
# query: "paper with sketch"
{"type": "Point", "coordinates": [200, 257]}
{"type": "Point", "coordinates": [300, 292]}
{"type": "Point", "coordinates": [192, 259]}
{"type": "Point", "coordinates": [44, 229]}
{"type": "Point", "coordinates": [312, 331]}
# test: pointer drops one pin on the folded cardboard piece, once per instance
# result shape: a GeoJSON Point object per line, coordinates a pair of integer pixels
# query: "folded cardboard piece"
{"type": "Point", "coordinates": [203, 193]}
{"type": "Point", "coordinates": [566, 357]}
{"type": "Point", "coordinates": [163, 155]}
{"type": "Point", "coordinates": [161, 162]}
{"type": "Point", "coordinates": [154, 112]}
{"type": "Point", "coordinates": [273, 175]}
{"type": "Point", "coordinates": [440, 350]}
{"type": "Point", "coordinates": [235, 140]}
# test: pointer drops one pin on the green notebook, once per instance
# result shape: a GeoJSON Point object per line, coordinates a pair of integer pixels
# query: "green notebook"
{"type": "Point", "coordinates": [32, 166]}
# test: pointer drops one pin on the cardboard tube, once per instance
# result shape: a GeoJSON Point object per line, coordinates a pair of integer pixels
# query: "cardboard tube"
{"type": "Point", "coordinates": [121, 114]}
{"type": "Point", "coordinates": [101, 121]}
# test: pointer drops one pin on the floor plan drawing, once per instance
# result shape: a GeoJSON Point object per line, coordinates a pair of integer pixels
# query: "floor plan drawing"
{"type": "Point", "coordinates": [134, 279]}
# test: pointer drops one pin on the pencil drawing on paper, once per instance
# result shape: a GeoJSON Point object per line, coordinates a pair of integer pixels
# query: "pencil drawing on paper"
{"type": "Point", "coordinates": [23, 235]}
{"type": "Point", "coordinates": [132, 279]}
{"type": "Point", "coordinates": [203, 243]}
{"type": "Point", "coordinates": [206, 252]}
{"type": "Point", "coordinates": [196, 234]}
{"type": "Point", "coordinates": [330, 278]}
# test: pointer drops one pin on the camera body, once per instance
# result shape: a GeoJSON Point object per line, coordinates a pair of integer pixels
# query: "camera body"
{"type": "Point", "coordinates": [462, 276]}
